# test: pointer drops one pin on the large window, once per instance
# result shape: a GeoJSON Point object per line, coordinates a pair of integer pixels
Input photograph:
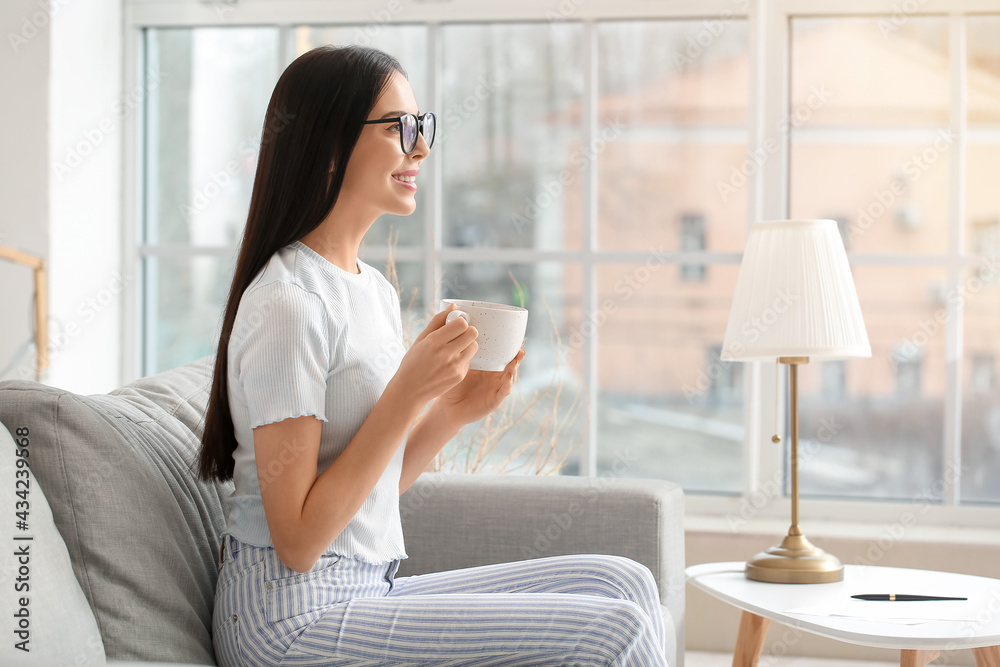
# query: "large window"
{"type": "Point", "coordinates": [604, 169]}
{"type": "Point", "coordinates": [882, 143]}
{"type": "Point", "coordinates": [208, 88]}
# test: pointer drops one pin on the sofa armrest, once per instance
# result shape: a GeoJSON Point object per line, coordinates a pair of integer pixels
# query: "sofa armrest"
{"type": "Point", "coordinates": [453, 521]}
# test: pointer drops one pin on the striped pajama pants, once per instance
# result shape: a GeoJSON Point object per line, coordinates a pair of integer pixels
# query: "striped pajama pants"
{"type": "Point", "coordinates": [559, 610]}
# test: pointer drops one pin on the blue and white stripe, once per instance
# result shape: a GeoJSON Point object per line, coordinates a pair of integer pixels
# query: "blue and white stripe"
{"type": "Point", "coordinates": [561, 610]}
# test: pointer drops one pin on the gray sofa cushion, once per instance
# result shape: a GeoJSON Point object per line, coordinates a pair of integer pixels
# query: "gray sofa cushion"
{"type": "Point", "coordinates": [141, 530]}
{"type": "Point", "coordinates": [49, 616]}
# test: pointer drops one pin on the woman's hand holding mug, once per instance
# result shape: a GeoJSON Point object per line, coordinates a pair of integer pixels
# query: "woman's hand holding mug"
{"type": "Point", "coordinates": [438, 359]}
{"type": "Point", "coordinates": [493, 369]}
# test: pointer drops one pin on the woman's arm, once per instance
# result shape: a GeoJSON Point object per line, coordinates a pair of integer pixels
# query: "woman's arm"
{"type": "Point", "coordinates": [472, 399]}
{"type": "Point", "coordinates": [431, 432]}
{"type": "Point", "coordinates": [306, 511]}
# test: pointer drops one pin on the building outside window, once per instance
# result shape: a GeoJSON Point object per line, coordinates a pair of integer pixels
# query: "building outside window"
{"type": "Point", "coordinates": [692, 240]}
{"type": "Point", "coordinates": [982, 379]}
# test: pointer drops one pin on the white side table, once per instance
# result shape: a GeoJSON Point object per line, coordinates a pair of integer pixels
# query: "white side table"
{"type": "Point", "coordinates": [977, 624]}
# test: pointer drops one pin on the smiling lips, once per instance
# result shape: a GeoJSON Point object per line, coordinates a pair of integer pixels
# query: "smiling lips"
{"type": "Point", "coordinates": [407, 179]}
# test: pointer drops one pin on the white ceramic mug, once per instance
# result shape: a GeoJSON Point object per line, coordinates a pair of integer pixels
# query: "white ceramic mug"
{"type": "Point", "coordinates": [501, 330]}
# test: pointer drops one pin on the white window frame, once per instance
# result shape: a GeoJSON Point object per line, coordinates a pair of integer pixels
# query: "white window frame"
{"type": "Point", "coordinates": [769, 44]}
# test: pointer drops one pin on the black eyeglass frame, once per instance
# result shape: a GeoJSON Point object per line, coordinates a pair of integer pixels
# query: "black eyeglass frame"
{"type": "Point", "coordinates": [420, 128]}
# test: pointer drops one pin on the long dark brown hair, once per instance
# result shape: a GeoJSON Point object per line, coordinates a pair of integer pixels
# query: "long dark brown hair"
{"type": "Point", "coordinates": [312, 123]}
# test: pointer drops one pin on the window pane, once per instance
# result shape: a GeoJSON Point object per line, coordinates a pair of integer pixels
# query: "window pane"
{"type": "Point", "coordinates": [408, 44]}
{"type": "Point", "coordinates": [980, 416]}
{"type": "Point", "coordinates": [873, 428]}
{"type": "Point", "coordinates": [889, 188]}
{"type": "Point", "coordinates": [984, 70]}
{"type": "Point", "coordinates": [673, 117]}
{"type": "Point", "coordinates": [894, 198]}
{"type": "Point", "coordinates": [982, 232]}
{"type": "Point", "coordinates": [510, 135]}
{"type": "Point", "coordinates": [982, 207]}
{"type": "Point", "coordinates": [548, 396]}
{"type": "Point", "coordinates": [184, 298]}
{"type": "Point", "coordinates": [870, 72]}
{"type": "Point", "coordinates": [981, 391]}
{"type": "Point", "coordinates": [666, 400]}
{"type": "Point", "coordinates": [204, 116]}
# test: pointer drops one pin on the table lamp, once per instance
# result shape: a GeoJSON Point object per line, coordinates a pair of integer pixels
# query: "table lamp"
{"type": "Point", "coordinates": [795, 300]}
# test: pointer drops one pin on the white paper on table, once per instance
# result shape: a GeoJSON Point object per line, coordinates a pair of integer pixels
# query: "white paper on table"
{"type": "Point", "coordinates": [904, 613]}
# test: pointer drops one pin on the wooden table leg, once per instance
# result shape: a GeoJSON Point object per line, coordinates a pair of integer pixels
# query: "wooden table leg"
{"type": "Point", "coordinates": [988, 656]}
{"type": "Point", "coordinates": [750, 640]}
{"type": "Point", "coordinates": [917, 658]}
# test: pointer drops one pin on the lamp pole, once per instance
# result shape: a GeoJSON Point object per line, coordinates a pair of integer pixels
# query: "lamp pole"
{"type": "Point", "coordinates": [795, 560]}
{"type": "Point", "coordinates": [793, 388]}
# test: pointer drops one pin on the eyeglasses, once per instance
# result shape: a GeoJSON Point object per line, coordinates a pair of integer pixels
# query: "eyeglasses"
{"type": "Point", "coordinates": [409, 125]}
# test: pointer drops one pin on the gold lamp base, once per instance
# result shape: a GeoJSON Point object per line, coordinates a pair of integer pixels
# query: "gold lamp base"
{"type": "Point", "coordinates": [795, 561]}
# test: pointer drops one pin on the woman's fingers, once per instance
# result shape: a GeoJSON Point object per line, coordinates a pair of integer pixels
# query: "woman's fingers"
{"type": "Point", "coordinates": [436, 322]}
{"type": "Point", "coordinates": [511, 370]}
{"type": "Point", "coordinates": [469, 351]}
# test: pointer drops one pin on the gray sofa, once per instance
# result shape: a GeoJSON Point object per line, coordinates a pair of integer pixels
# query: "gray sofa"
{"type": "Point", "coordinates": [138, 533]}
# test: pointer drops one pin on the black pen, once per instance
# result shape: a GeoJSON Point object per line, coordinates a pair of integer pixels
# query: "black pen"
{"type": "Point", "coordinates": [900, 597]}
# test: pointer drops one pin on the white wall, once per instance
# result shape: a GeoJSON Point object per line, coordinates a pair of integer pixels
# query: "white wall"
{"type": "Point", "coordinates": [24, 78]}
{"type": "Point", "coordinates": [87, 110]}
{"type": "Point", "coordinates": [60, 185]}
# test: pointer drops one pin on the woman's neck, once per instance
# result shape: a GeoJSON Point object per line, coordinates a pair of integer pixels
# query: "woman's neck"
{"type": "Point", "coordinates": [338, 238]}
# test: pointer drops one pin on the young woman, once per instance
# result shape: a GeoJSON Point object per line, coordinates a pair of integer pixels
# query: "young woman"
{"type": "Point", "coordinates": [311, 410]}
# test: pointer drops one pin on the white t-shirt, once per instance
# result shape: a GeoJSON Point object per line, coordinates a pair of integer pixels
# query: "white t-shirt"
{"type": "Point", "coordinates": [312, 339]}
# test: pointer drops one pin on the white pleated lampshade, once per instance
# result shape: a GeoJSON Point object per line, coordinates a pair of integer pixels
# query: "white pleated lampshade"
{"type": "Point", "coordinates": [795, 296]}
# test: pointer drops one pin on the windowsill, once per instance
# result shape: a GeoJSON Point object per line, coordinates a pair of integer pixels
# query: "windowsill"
{"type": "Point", "coordinates": [952, 535]}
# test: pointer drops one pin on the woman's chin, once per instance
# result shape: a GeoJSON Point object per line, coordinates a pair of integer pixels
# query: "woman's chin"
{"type": "Point", "coordinates": [405, 207]}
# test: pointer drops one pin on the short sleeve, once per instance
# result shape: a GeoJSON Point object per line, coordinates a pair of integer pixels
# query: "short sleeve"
{"type": "Point", "coordinates": [280, 349]}
{"type": "Point", "coordinates": [397, 313]}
